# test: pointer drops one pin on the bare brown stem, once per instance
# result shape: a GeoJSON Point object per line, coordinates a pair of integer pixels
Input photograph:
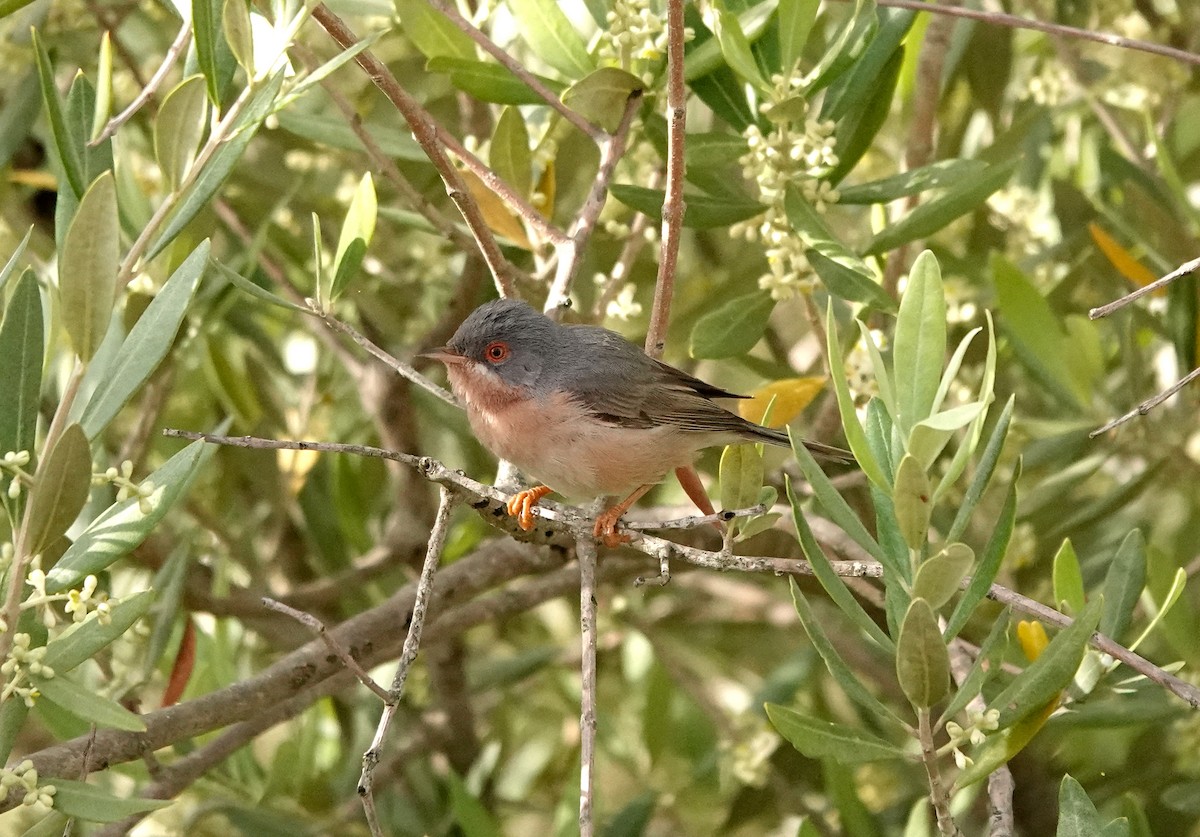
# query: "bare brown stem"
{"type": "Point", "coordinates": [585, 551]}
{"type": "Point", "coordinates": [937, 789]}
{"type": "Point", "coordinates": [673, 204]}
{"type": "Point", "coordinates": [1149, 404]}
{"type": "Point", "coordinates": [1158, 284]}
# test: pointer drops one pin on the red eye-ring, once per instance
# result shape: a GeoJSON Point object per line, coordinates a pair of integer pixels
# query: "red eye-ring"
{"type": "Point", "coordinates": [496, 351]}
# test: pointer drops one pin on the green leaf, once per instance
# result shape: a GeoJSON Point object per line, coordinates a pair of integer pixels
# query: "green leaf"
{"type": "Point", "coordinates": [929, 437]}
{"type": "Point", "coordinates": [242, 283]}
{"type": "Point", "coordinates": [491, 82]}
{"type": "Point", "coordinates": [989, 564]}
{"type": "Point", "coordinates": [510, 156]}
{"type": "Point", "coordinates": [930, 217]}
{"type": "Point", "coordinates": [13, 714]}
{"type": "Point", "coordinates": [212, 53]}
{"type": "Point", "coordinates": [22, 347]}
{"type": "Point", "coordinates": [922, 662]}
{"type": "Point", "coordinates": [851, 684]}
{"type": "Point", "coordinates": [845, 47]}
{"type": "Point", "coordinates": [168, 588]}
{"type": "Point", "coordinates": [937, 175]}
{"type": "Point", "coordinates": [22, 103]}
{"type": "Point", "coordinates": [705, 58]}
{"type": "Point", "coordinates": [857, 129]}
{"type": "Point", "coordinates": [847, 283]}
{"type": "Point", "coordinates": [1123, 584]}
{"type": "Point", "coordinates": [70, 155]}
{"type": "Point", "coordinates": [1178, 582]}
{"type": "Point", "coordinates": [64, 480]}
{"type": "Point", "coordinates": [741, 476]}
{"type": "Point", "coordinates": [940, 577]}
{"type": "Point", "coordinates": [734, 328]}
{"type": "Point", "coordinates": [10, 267]}
{"type": "Point", "coordinates": [826, 740]}
{"type": "Point", "coordinates": [1077, 816]}
{"type": "Point", "coordinates": [796, 19]}
{"type": "Point", "coordinates": [987, 394]}
{"type": "Point", "coordinates": [83, 639]}
{"type": "Point", "coordinates": [1068, 580]}
{"type": "Point", "coordinates": [88, 704]}
{"type": "Point", "coordinates": [987, 662]}
{"type": "Point", "coordinates": [235, 22]}
{"type": "Point", "coordinates": [550, 34]}
{"type": "Point", "coordinates": [179, 126]}
{"type": "Point", "coordinates": [335, 132]}
{"type": "Point", "coordinates": [601, 96]}
{"type": "Point", "coordinates": [1050, 673]}
{"type": "Point", "coordinates": [634, 819]}
{"type": "Point", "coordinates": [983, 473]}
{"type": "Point", "coordinates": [206, 184]}
{"type": "Point", "coordinates": [881, 370]}
{"type": "Point", "coordinates": [828, 577]}
{"type": "Point", "coordinates": [856, 437]}
{"type": "Point", "coordinates": [911, 495]}
{"type": "Point", "coordinates": [920, 342]}
{"type": "Point", "coordinates": [104, 69]}
{"type": "Point", "coordinates": [469, 813]}
{"type": "Point", "coordinates": [735, 47]}
{"type": "Point", "coordinates": [147, 344]}
{"type": "Point", "coordinates": [432, 32]}
{"type": "Point", "coordinates": [88, 271]}
{"type": "Point", "coordinates": [88, 802]}
{"type": "Point", "coordinates": [700, 212]}
{"type": "Point", "coordinates": [357, 231]}
{"type": "Point", "coordinates": [122, 526]}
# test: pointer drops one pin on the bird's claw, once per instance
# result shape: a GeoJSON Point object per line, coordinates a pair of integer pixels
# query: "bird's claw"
{"type": "Point", "coordinates": [605, 529]}
{"type": "Point", "coordinates": [522, 503]}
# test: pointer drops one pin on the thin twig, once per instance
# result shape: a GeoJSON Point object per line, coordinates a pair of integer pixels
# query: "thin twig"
{"type": "Point", "coordinates": [402, 369]}
{"type": "Point", "coordinates": [673, 204]}
{"type": "Point", "coordinates": [318, 627]}
{"type": "Point", "coordinates": [517, 69]}
{"type": "Point", "coordinates": [937, 788]}
{"type": "Point", "coordinates": [1015, 22]}
{"type": "Point", "coordinates": [426, 134]}
{"type": "Point", "coordinates": [585, 551]}
{"type": "Point", "coordinates": [151, 88]}
{"type": "Point", "coordinates": [412, 644]}
{"type": "Point", "coordinates": [570, 252]}
{"type": "Point", "coordinates": [1115, 305]}
{"type": "Point", "coordinates": [696, 522]}
{"type": "Point", "coordinates": [1149, 404]}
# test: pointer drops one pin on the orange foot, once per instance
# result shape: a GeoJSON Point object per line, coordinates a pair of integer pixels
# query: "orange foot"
{"type": "Point", "coordinates": [605, 529]}
{"type": "Point", "coordinates": [522, 503]}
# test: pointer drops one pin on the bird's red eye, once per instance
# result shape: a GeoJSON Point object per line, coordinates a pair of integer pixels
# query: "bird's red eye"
{"type": "Point", "coordinates": [496, 351]}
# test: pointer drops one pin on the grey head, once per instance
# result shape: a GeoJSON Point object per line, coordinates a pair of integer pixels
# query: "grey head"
{"type": "Point", "coordinates": [510, 338]}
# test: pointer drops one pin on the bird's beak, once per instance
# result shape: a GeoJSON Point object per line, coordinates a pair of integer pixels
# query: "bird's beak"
{"type": "Point", "coordinates": [446, 355]}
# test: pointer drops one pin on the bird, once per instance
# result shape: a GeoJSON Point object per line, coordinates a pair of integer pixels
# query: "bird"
{"type": "Point", "coordinates": [587, 413]}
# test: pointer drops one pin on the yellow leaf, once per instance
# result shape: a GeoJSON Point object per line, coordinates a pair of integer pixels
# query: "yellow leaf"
{"type": "Point", "coordinates": [791, 396]}
{"type": "Point", "coordinates": [1121, 259]}
{"type": "Point", "coordinates": [1032, 636]}
{"type": "Point", "coordinates": [500, 219]}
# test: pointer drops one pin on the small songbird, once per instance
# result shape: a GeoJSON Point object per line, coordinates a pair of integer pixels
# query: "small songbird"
{"type": "Point", "coordinates": [586, 412]}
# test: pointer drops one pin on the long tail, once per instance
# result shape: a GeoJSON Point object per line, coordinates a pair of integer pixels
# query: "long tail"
{"type": "Point", "coordinates": [827, 453]}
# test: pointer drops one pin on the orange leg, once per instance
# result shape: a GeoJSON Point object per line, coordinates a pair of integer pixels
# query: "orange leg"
{"type": "Point", "coordinates": [690, 480]}
{"type": "Point", "coordinates": [606, 523]}
{"type": "Point", "coordinates": [522, 503]}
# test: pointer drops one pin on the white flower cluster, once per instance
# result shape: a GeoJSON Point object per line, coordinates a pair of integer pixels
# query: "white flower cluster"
{"type": "Point", "coordinates": [79, 603]}
{"type": "Point", "coordinates": [979, 724]}
{"type": "Point", "coordinates": [624, 307]}
{"type": "Point", "coordinates": [22, 779]}
{"type": "Point", "coordinates": [22, 663]}
{"type": "Point", "coordinates": [126, 487]}
{"type": "Point", "coordinates": [796, 151]}
{"type": "Point", "coordinates": [636, 37]}
{"type": "Point", "coordinates": [14, 462]}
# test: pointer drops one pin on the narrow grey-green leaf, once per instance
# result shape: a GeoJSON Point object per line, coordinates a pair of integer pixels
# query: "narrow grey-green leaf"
{"type": "Point", "coordinates": [87, 274]}
{"type": "Point", "coordinates": [812, 229]}
{"type": "Point", "coordinates": [922, 662]}
{"type": "Point", "coordinates": [796, 19]}
{"type": "Point", "coordinates": [244, 284]}
{"type": "Point", "coordinates": [1077, 816]}
{"type": "Point", "coordinates": [987, 663]}
{"type": "Point", "coordinates": [235, 20]}
{"type": "Point", "coordinates": [509, 155]}
{"type": "Point", "coordinates": [94, 804]}
{"type": "Point", "coordinates": [700, 212]}
{"type": "Point", "coordinates": [983, 473]}
{"type": "Point", "coordinates": [856, 436]}
{"type": "Point", "coordinates": [22, 347]}
{"type": "Point", "coordinates": [69, 155]}
{"type": "Point", "coordinates": [920, 342]}
{"type": "Point", "coordinates": [735, 47]}
{"type": "Point", "coordinates": [22, 103]}
{"type": "Point", "coordinates": [213, 55]}
{"type": "Point", "coordinates": [123, 526]}
{"type": "Point", "coordinates": [60, 489]}
{"type": "Point", "coordinates": [490, 82]}
{"type": "Point", "coordinates": [10, 267]}
{"type": "Point", "coordinates": [989, 564]}
{"type": "Point", "coordinates": [850, 682]}
{"type": "Point", "coordinates": [168, 588]}
{"type": "Point", "coordinates": [1068, 580]}
{"type": "Point", "coordinates": [12, 720]}
{"type": "Point", "coordinates": [933, 176]}
{"type": "Point", "coordinates": [1051, 672]}
{"type": "Point", "coordinates": [431, 32]}
{"type": "Point", "coordinates": [88, 704]}
{"type": "Point", "coordinates": [741, 476]}
{"type": "Point", "coordinates": [546, 29]}
{"type": "Point", "coordinates": [911, 497]}
{"type": "Point", "coordinates": [147, 344]}
{"type": "Point", "coordinates": [705, 58]}
{"type": "Point", "coordinates": [83, 639]}
{"type": "Point", "coordinates": [178, 127]}
{"type": "Point", "coordinates": [930, 217]}
{"type": "Point", "coordinates": [734, 328]}
{"type": "Point", "coordinates": [601, 96]}
{"type": "Point", "coordinates": [218, 167]}
{"type": "Point", "coordinates": [1123, 584]}
{"type": "Point", "coordinates": [846, 282]}
{"type": "Point", "coordinates": [819, 739]}
{"type": "Point", "coordinates": [357, 231]}
{"type": "Point", "coordinates": [939, 578]}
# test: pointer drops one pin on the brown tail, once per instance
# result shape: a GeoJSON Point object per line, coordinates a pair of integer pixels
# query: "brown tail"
{"type": "Point", "coordinates": [823, 452]}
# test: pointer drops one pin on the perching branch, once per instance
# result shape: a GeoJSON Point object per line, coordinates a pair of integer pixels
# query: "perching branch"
{"type": "Point", "coordinates": [1116, 305]}
{"type": "Point", "coordinates": [585, 552]}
